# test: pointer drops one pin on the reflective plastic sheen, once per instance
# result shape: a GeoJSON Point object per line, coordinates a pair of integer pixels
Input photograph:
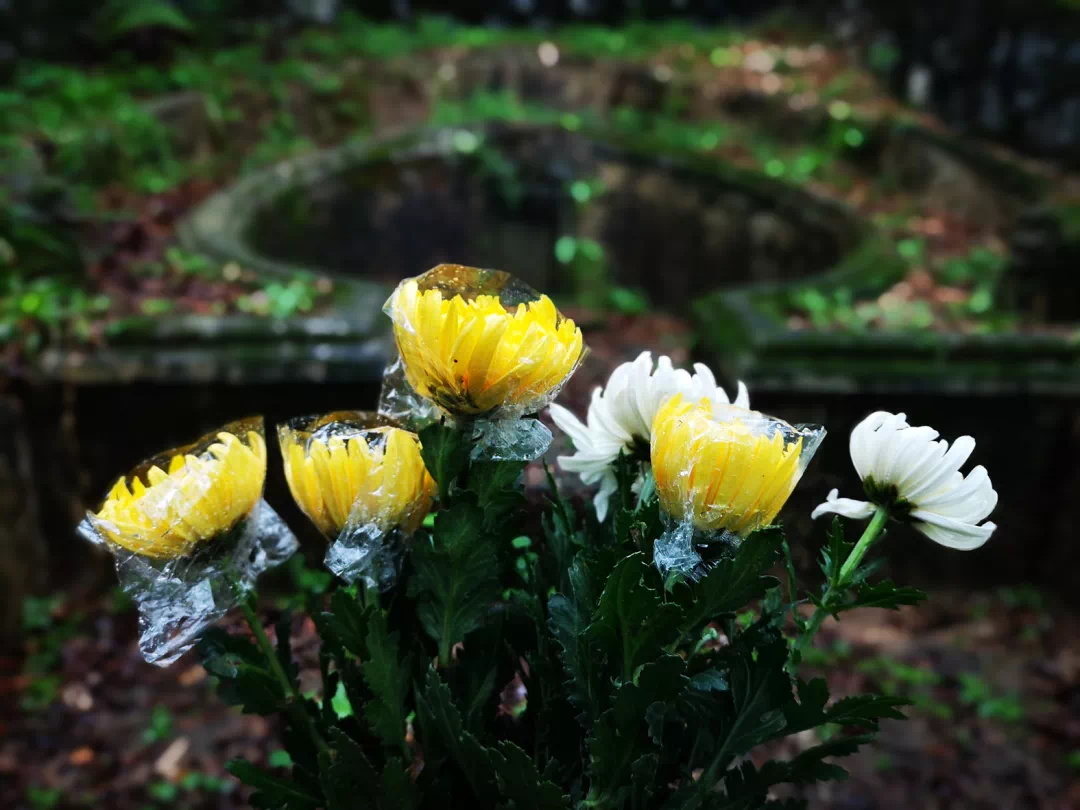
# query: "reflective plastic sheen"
{"type": "Point", "coordinates": [189, 529]}
{"type": "Point", "coordinates": [480, 343]}
{"type": "Point", "coordinates": [362, 482]}
{"type": "Point", "coordinates": [724, 468]}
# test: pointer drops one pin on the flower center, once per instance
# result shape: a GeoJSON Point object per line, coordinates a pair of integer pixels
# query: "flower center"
{"type": "Point", "coordinates": [887, 495]}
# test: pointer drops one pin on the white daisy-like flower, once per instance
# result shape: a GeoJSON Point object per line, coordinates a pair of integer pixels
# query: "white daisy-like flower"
{"type": "Point", "coordinates": [915, 477]}
{"type": "Point", "coordinates": [621, 414]}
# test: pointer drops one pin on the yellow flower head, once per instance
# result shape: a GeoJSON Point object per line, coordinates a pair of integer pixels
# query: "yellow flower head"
{"type": "Point", "coordinates": [477, 343]}
{"type": "Point", "coordinates": [725, 467]}
{"type": "Point", "coordinates": [346, 466]}
{"type": "Point", "coordinates": [169, 506]}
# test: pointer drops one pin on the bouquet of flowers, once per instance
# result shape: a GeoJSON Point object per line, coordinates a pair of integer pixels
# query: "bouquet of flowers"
{"type": "Point", "coordinates": [477, 654]}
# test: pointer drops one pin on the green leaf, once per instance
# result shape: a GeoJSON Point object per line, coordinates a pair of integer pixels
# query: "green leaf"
{"type": "Point", "coordinates": [445, 450]}
{"type": "Point", "coordinates": [520, 783]}
{"type": "Point", "coordinates": [274, 792]}
{"type": "Point", "coordinates": [399, 791]}
{"type": "Point", "coordinates": [710, 680]}
{"type": "Point", "coordinates": [631, 623]}
{"type": "Point", "coordinates": [866, 710]}
{"type": "Point", "coordinates": [283, 631]}
{"type": "Point", "coordinates": [243, 672]}
{"type": "Point", "coordinates": [495, 485]}
{"type": "Point", "coordinates": [568, 619]}
{"type": "Point", "coordinates": [760, 690]}
{"type": "Point", "coordinates": [562, 537]}
{"type": "Point", "coordinates": [732, 582]}
{"type": "Point", "coordinates": [388, 679]}
{"type": "Point", "coordinates": [346, 775]}
{"type": "Point", "coordinates": [347, 622]}
{"type": "Point", "coordinates": [618, 739]}
{"type": "Point", "coordinates": [442, 734]}
{"type": "Point", "coordinates": [882, 595]}
{"type": "Point", "coordinates": [835, 553]}
{"type": "Point", "coordinates": [456, 576]}
{"type": "Point", "coordinates": [621, 736]}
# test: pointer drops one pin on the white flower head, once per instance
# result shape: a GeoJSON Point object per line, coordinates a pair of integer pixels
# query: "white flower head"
{"type": "Point", "coordinates": [916, 477]}
{"type": "Point", "coordinates": [621, 414]}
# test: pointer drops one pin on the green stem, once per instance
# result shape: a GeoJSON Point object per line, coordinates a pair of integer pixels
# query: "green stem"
{"type": "Point", "coordinates": [836, 589]}
{"type": "Point", "coordinates": [293, 701]}
{"type": "Point", "coordinates": [877, 523]}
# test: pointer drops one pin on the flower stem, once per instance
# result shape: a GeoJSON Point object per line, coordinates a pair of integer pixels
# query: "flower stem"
{"type": "Point", "coordinates": [835, 590]}
{"type": "Point", "coordinates": [877, 523]}
{"type": "Point", "coordinates": [293, 698]}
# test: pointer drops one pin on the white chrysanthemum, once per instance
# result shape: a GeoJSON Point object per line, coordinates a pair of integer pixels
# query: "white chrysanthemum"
{"type": "Point", "coordinates": [904, 469]}
{"type": "Point", "coordinates": [621, 414]}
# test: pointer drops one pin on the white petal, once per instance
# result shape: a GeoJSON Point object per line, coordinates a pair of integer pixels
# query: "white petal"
{"type": "Point", "coordinates": [889, 443]}
{"type": "Point", "coordinates": [602, 419]}
{"type": "Point", "coordinates": [570, 425]}
{"type": "Point", "coordinates": [861, 443]}
{"type": "Point", "coordinates": [846, 507]}
{"type": "Point", "coordinates": [952, 533]}
{"type": "Point", "coordinates": [603, 495]}
{"type": "Point", "coordinates": [590, 469]}
{"type": "Point", "coordinates": [945, 469]}
{"type": "Point", "coordinates": [971, 500]}
{"type": "Point", "coordinates": [909, 445]}
{"type": "Point", "coordinates": [742, 399]}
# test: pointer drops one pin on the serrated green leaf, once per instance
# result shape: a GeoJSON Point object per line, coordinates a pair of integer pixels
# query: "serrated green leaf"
{"type": "Point", "coordinates": [520, 783]}
{"type": "Point", "coordinates": [388, 679]}
{"type": "Point", "coordinates": [835, 553]}
{"type": "Point", "coordinates": [445, 450]}
{"type": "Point", "coordinates": [442, 734]}
{"type": "Point", "coordinates": [618, 739]}
{"type": "Point", "coordinates": [347, 621]}
{"type": "Point", "coordinates": [866, 710]}
{"type": "Point", "coordinates": [882, 595]}
{"type": "Point", "coordinates": [495, 485]}
{"type": "Point", "coordinates": [242, 670]}
{"type": "Point", "coordinates": [274, 792]}
{"type": "Point", "coordinates": [760, 692]}
{"type": "Point", "coordinates": [456, 576]}
{"type": "Point", "coordinates": [346, 775]}
{"type": "Point", "coordinates": [631, 623]}
{"type": "Point", "coordinates": [568, 619]}
{"type": "Point", "coordinates": [399, 791]}
{"type": "Point", "coordinates": [734, 582]}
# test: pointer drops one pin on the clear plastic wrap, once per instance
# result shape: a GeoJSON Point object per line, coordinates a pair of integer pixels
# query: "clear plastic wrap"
{"type": "Point", "coordinates": [362, 482]}
{"type": "Point", "coordinates": [400, 404]}
{"type": "Point", "coordinates": [723, 470]}
{"type": "Point", "coordinates": [189, 529]}
{"type": "Point", "coordinates": [482, 346]}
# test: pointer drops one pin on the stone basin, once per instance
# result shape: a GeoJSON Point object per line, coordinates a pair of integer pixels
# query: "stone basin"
{"type": "Point", "coordinates": [500, 196]}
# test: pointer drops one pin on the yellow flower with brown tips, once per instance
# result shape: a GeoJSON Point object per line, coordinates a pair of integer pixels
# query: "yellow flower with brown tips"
{"type": "Point", "coordinates": [189, 496]}
{"type": "Point", "coordinates": [475, 356]}
{"type": "Point", "coordinates": [724, 467]}
{"type": "Point", "coordinates": [346, 467]}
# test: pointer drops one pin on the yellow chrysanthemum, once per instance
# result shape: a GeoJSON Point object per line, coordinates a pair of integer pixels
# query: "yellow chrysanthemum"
{"type": "Point", "coordinates": [337, 468]}
{"type": "Point", "coordinates": [473, 357]}
{"type": "Point", "coordinates": [203, 494]}
{"type": "Point", "coordinates": [725, 469]}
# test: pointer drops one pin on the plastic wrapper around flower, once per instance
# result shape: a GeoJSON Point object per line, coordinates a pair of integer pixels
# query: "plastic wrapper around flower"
{"type": "Point", "coordinates": [722, 472]}
{"type": "Point", "coordinates": [362, 482]}
{"type": "Point", "coordinates": [487, 350]}
{"type": "Point", "coordinates": [188, 529]}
